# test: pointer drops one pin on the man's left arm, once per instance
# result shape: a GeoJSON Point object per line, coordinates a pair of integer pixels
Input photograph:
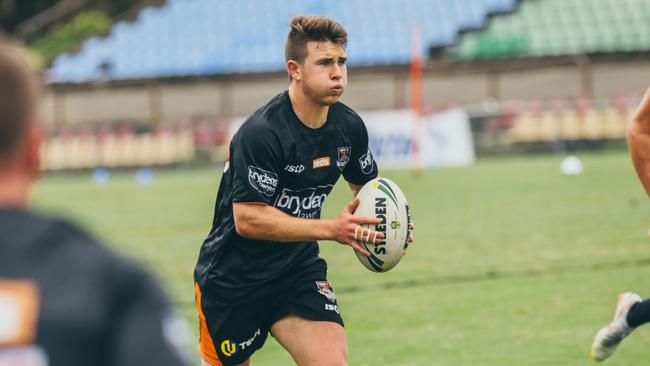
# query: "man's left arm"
{"type": "Point", "coordinates": [362, 167]}
{"type": "Point", "coordinates": [355, 188]}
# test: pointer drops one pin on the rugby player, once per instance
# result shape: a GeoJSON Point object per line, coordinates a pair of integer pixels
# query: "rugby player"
{"type": "Point", "coordinates": [64, 299]}
{"type": "Point", "coordinates": [631, 310]}
{"type": "Point", "coordinates": [259, 271]}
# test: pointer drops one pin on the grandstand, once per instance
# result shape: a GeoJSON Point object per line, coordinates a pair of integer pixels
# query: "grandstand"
{"type": "Point", "coordinates": [528, 71]}
{"type": "Point", "coordinates": [561, 27]}
{"type": "Point", "coordinates": [204, 37]}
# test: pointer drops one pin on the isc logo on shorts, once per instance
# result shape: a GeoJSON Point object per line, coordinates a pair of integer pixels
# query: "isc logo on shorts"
{"type": "Point", "coordinates": [332, 307]}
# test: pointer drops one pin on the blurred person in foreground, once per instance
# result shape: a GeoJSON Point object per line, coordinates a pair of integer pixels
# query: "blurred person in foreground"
{"type": "Point", "coordinates": [64, 299]}
{"type": "Point", "coordinates": [631, 310]}
{"type": "Point", "coordinates": [259, 269]}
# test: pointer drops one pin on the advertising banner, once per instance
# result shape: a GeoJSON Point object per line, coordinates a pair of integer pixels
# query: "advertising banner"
{"type": "Point", "coordinates": [398, 140]}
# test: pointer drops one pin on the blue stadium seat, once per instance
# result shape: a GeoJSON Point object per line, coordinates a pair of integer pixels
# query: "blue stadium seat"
{"type": "Point", "coordinates": [194, 37]}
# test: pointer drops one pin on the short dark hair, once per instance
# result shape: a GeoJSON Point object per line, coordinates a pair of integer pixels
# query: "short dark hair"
{"type": "Point", "coordinates": [18, 96]}
{"type": "Point", "coordinates": [305, 28]}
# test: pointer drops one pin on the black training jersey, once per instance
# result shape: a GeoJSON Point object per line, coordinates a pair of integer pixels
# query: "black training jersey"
{"type": "Point", "coordinates": [277, 160]}
{"type": "Point", "coordinates": [66, 301]}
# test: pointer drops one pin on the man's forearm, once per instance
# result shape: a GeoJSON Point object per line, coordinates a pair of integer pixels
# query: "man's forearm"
{"type": "Point", "coordinates": [639, 144]}
{"type": "Point", "coordinates": [643, 111]}
{"type": "Point", "coordinates": [264, 222]}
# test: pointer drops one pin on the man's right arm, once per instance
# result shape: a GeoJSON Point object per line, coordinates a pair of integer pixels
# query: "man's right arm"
{"type": "Point", "coordinates": [638, 137]}
{"type": "Point", "coordinates": [263, 222]}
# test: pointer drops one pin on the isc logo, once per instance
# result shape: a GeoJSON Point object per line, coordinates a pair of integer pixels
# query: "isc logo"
{"type": "Point", "coordinates": [297, 169]}
{"type": "Point", "coordinates": [332, 307]}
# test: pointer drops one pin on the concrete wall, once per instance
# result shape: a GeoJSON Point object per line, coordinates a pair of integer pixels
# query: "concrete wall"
{"type": "Point", "coordinates": [613, 79]}
{"type": "Point", "coordinates": [367, 90]}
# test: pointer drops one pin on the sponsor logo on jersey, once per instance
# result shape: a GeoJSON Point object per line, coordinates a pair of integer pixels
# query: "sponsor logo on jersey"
{"type": "Point", "coordinates": [228, 348]}
{"type": "Point", "coordinates": [19, 309]}
{"type": "Point", "coordinates": [325, 289]}
{"type": "Point", "coordinates": [344, 157]}
{"type": "Point", "coordinates": [297, 169]}
{"type": "Point", "coordinates": [305, 203]}
{"type": "Point", "coordinates": [332, 307]}
{"type": "Point", "coordinates": [262, 180]}
{"type": "Point", "coordinates": [321, 162]}
{"type": "Point", "coordinates": [365, 162]}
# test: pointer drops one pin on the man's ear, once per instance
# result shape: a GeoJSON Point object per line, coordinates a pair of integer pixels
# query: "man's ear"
{"type": "Point", "coordinates": [32, 148]}
{"type": "Point", "coordinates": [294, 69]}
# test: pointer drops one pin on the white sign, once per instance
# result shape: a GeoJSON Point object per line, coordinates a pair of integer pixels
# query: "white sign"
{"type": "Point", "coordinates": [399, 140]}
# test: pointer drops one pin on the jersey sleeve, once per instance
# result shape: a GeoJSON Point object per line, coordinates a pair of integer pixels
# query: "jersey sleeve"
{"type": "Point", "coordinates": [144, 328]}
{"type": "Point", "coordinates": [362, 167]}
{"type": "Point", "coordinates": [255, 159]}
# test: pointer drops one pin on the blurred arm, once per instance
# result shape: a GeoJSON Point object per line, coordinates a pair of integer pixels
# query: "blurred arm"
{"type": "Point", "coordinates": [638, 137]}
{"type": "Point", "coordinates": [143, 327]}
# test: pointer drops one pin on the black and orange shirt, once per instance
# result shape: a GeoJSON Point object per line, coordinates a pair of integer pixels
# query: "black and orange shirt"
{"type": "Point", "coordinates": [65, 300]}
{"type": "Point", "coordinates": [277, 160]}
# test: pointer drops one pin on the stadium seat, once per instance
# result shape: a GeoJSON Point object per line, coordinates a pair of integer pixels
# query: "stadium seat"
{"type": "Point", "coordinates": [196, 29]}
{"type": "Point", "coordinates": [525, 128]}
{"type": "Point", "coordinates": [561, 27]}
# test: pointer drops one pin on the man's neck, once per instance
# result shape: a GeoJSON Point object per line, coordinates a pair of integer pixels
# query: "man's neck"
{"type": "Point", "coordinates": [310, 114]}
{"type": "Point", "coordinates": [14, 191]}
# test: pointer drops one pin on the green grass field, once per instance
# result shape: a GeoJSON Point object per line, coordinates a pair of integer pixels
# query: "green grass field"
{"type": "Point", "coordinates": [513, 264]}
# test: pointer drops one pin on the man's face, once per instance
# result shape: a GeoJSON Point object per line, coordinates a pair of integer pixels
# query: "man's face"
{"type": "Point", "coordinates": [323, 74]}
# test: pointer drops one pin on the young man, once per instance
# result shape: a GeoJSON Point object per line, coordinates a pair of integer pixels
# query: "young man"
{"type": "Point", "coordinates": [259, 270]}
{"type": "Point", "coordinates": [631, 310]}
{"type": "Point", "coordinates": [64, 300]}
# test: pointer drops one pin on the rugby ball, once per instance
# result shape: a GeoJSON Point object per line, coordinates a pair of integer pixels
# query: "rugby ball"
{"type": "Point", "coordinates": [383, 199]}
